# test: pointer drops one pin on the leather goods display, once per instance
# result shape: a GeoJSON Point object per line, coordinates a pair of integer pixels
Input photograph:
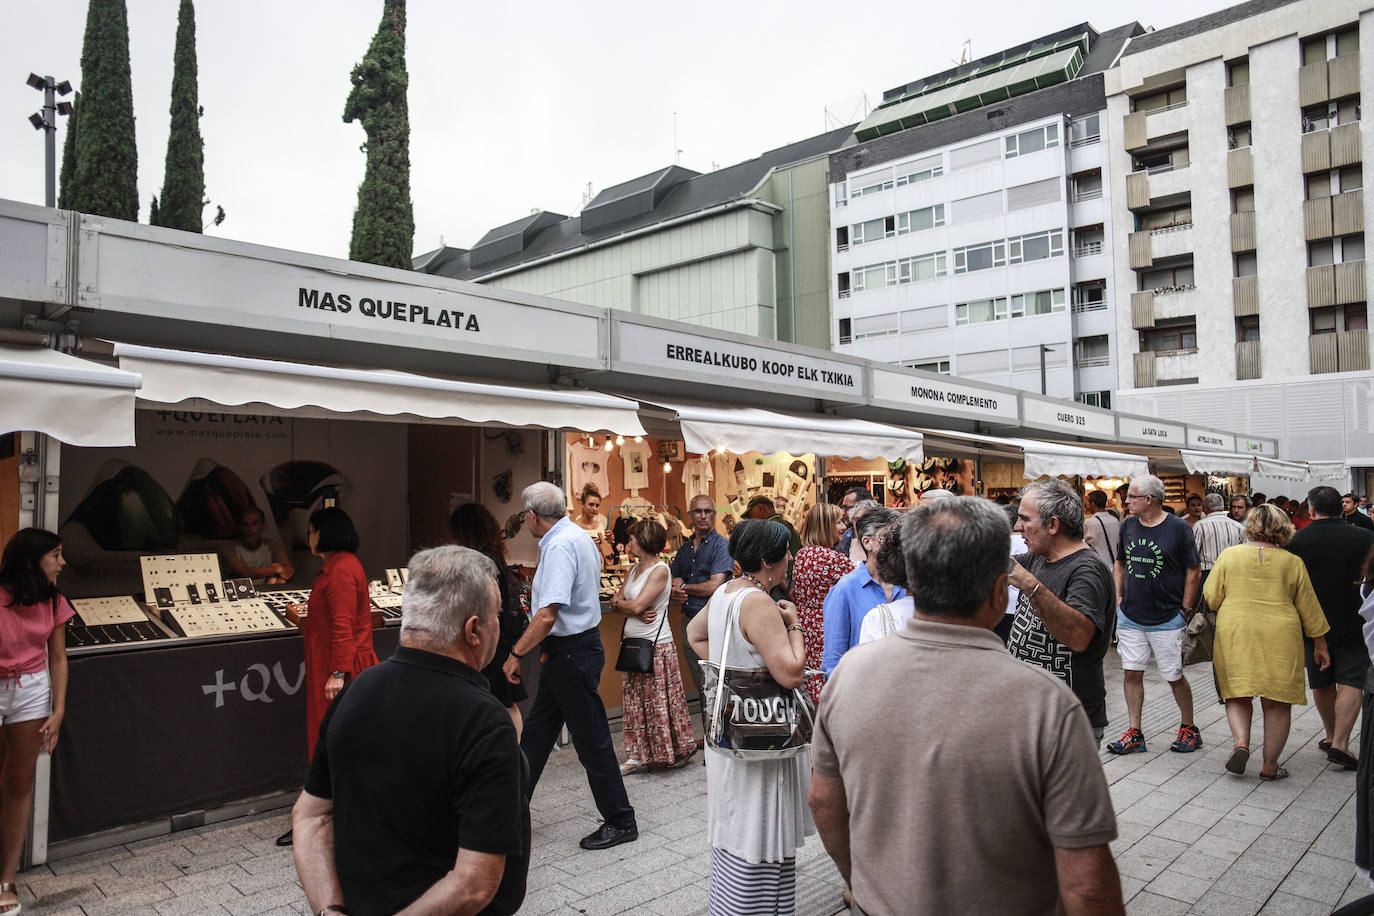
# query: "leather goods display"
{"type": "Point", "coordinates": [753, 717]}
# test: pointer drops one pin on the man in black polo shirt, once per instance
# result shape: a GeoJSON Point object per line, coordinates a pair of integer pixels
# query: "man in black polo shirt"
{"type": "Point", "coordinates": [1334, 553]}
{"type": "Point", "coordinates": [417, 792]}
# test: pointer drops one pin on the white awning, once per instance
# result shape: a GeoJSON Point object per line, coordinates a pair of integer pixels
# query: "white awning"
{"type": "Point", "coordinates": [1282, 470]}
{"type": "Point", "coordinates": [174, 376]}
{"type": "Point", "coordinates": [70, 399]}
{"type": "Point", "coordinates": [1042, 459]}
{"type": "Point", "coordinates": [750, 429]}
{"type": "Point", "coordinates": [1318, 471]}
{"type": "Point", "coordinates": [1220, 463]}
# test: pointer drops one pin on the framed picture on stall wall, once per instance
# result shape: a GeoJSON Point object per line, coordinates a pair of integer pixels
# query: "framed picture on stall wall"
{"type": "Point", "coordinates": [669, 450]}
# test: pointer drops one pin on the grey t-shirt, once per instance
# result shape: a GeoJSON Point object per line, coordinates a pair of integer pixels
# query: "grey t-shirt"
{"type": "Point", "coordinates": [963, 769]}
{"type": "Point", "coordinates": [1083, 582]}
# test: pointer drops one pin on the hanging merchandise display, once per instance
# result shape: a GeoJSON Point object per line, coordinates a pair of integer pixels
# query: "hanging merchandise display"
{"type": "Point", "coordinates": [696, 476]}
{"type": "Point", "coordinates": [635, 456]}
{"type": "Point", "coordinates": [587, 465]}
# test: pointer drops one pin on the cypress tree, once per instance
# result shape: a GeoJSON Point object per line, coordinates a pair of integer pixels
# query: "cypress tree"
{"type": "Point", "coordinates": [106, 173]}
{"type": "Point", "coordinates": [68, 173]}
{"type": "Point", "coordinates": [383, 223]}
{"type": "Point", "coordinates": [183, 186]}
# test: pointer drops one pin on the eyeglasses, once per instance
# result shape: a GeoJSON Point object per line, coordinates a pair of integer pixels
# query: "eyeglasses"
{"type": "Point", "coordinates": [1137, 495]}
{"type": "Point", "coordinates": [703, 512]}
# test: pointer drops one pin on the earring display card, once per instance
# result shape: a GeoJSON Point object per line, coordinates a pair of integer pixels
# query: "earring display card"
{"type": "Point", "coordinates": [107, 621]}
{"type": "Point", "coordinates": [96, 612]}
{"type": "Point", "coordinates": [393, 578]}
{"type": "Point", "coordinates": [176, 574]}
{"type": "Point", "coordinates": [226, 617]}
{"type": "Point", "coordinates": [386, 600]}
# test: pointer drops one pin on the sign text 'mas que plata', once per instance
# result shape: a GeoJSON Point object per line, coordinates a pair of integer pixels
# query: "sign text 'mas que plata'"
{"type": "Point", "coordinates": [388, 310]}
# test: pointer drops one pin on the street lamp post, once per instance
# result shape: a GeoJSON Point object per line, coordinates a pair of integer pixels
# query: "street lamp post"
{"type": "Point", "coordinates": [46, 121]}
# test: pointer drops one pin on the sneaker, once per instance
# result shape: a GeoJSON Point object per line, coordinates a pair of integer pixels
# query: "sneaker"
{"type": "Point", "coordinates": [1188, 740]}
{"type": "Point", "coordinates": [1130, 742]}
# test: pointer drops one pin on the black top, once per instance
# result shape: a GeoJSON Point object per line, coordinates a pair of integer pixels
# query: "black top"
{"type": "Point", "coordinates": [1334, 554]}
{"type": "Point", "coordinates": [420, 759]}
{"type": "Point", "coordinates": [1157, 561]}
{"type": "Point", "coordinates": [1083, 582]}
{"type": "Point", "coordinates": [1359, 520]}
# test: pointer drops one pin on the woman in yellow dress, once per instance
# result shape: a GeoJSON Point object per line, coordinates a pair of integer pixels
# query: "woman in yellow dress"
{"type": "Point", "coordinates": [1265, 606]}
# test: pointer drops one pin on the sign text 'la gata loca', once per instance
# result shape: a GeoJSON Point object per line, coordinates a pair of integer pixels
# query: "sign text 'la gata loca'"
{"type": "Point", "coordinates": [388, 309]}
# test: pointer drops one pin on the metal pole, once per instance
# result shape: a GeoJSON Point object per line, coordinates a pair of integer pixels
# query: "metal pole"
{"type": "Point", "coordinates": [50, 138]}
{"type": "Point", "coordinates": [1043, 350]}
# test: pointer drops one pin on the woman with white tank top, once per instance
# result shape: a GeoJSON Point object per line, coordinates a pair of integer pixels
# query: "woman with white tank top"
{"type": "Point", "coordinates": [657, 725]}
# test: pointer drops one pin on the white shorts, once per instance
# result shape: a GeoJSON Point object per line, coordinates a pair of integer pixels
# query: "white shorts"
{"type": "Point", "coordinates": [1136, 647]}
{"type": "Point", "coordinates": [25, 698]}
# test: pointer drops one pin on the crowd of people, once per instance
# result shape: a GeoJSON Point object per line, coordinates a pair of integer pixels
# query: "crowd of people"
{"type": "Point", "coordinates": [933, 628]}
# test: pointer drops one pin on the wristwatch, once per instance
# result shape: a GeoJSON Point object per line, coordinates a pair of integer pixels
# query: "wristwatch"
{"type": "Point", "coordinates": [333, 908]}
{"type": "Point", "coordinates": [339, 674]}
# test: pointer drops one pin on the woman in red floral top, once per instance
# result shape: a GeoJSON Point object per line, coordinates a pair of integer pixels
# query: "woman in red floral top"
{"type": "Point", "coordinates": [815, 571]}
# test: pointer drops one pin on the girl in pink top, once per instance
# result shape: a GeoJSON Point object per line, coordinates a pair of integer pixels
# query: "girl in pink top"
{"type": "Point", "coordinates": [33, 684]}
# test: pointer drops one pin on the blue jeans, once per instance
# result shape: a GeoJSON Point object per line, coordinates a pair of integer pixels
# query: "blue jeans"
{"type": "Point", "coordinates": [568, 695]}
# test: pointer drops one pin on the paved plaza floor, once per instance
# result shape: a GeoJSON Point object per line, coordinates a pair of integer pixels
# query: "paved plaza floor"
{"type": "Point", "coordinates": [1193, 839]}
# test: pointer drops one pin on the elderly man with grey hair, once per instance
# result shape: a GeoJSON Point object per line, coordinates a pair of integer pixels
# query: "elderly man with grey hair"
{"type": "Point", "coordinates": [1066, 596]}
{"type": "Point", "coordinates": [567, 594]}
{"type": "Point", "coordinates": [415, 799]}
{"type": "Point", "coordinates": [1158, 576]}
{"type": "Point", "coordinates": [1215, 531]}
{"type": "Point", "coordinates": [1022, 827]}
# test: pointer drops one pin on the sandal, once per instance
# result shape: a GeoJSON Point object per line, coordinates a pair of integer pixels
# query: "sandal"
{"type": "Point", "coordinates": [627, 768]}
{"type": "Point", "coordinates": [11, 909]}
{"type": "Point", "coordinates": [1280, 773]}
{"type": "Point", "coordinates": [1237, 761]}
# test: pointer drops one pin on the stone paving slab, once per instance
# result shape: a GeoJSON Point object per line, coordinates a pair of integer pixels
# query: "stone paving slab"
{"type": "Point", "coordinates": [1192, 839]}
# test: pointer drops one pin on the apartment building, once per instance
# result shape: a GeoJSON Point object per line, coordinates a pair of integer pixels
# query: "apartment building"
{"type": "Point", "coordinates": [971, 221]}
{"type": "Point", "coordinates": [743, 248]}
{"type": "Point", "coordinates": [1239, 215]}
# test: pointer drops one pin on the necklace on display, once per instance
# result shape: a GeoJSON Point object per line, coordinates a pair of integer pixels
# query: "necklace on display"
{"type": "Point", "coordinates": [763, 588]}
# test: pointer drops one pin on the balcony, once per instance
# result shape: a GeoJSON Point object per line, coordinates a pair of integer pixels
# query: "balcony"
{"type": "Point", "coordinates": [1177, 364]}
{"type": "Point", "coordinates": [1168, 241]}
{"type": "Point", "coordinates": [1240, 168]}
{"type": "Point", "coordinates": [1345, 145]}
{"type": "Point", "coordinates": [1141, 250]}
{"type": "Point", "coordinates": [1087, 249]}
{"type": "Point", "coordinates": [1316, 218]}
{"type": "Point", "coordinates": [1092, 362]}
{"type": "Point", "coordinates": [1145, 369]}
{"type": "Point", "coordinates": [1243, 231]}
{"type": "Point", "coordinates": [1171, 119]}
{"type": "Point", "coordinates": [1349, 282]}
{"type": "Point", "coordinates": [1247, 359]}
{"type": "Point", "coordinates": [1237, 104]}
{"type": "Point", "coordinates": [1143, 309]}
{"type": "Point", "coordinates": [1087, 194]}
{"type": "Point", "coordinates": [1090, 305]}
{"type": "Point", "coordinates": [1137, 190]}
{"type": "Point", "coordinates": [1343, 76]}
{"type": "Point", "coordinates": [1343, 351]}
{"type": "Point", "coordinates": [1245, 292]}
{"type": "Point", "coordinates": [1347, 212]}
{"type": "Point", "coordinates": [1321, 286]}
{"type": "Point", "coordinates": [1312, 84]}
{"type": "Point", "coordinates": [1133, 130]}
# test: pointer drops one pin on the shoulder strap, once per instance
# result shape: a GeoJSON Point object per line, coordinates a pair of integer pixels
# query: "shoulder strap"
{"type": "Point", "coordinates": [888, 619]}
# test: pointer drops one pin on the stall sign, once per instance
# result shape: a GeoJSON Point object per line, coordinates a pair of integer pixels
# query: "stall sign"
{"type": "Point", "coordinates": [1212, 440]}
{"type": "Point", "coordinates": [1067, 417]}
{"type": "Point", "coordinates": [1249, 445]}
{"type": "Point", "coordinates": [938, 396]}
{"type": "Point", "coordinates": [135, 270]}
{"type": "Point", "coordinates": [1149, 431]}
{"type": "Point", "coordinates": [721, 359]}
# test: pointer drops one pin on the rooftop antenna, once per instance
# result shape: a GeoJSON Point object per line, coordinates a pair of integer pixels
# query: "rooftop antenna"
{"type": "Point", "coordinates": [965, 53]}
{"type": "Point", "coordinates": [587, 195]}
{"type": "Point", "coordinates": [677, 151]}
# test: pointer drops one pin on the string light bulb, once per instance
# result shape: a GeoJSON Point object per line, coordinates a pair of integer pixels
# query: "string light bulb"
{"type": "Point", "coordinates": [609, 444]}
{"type": "Point", "coordinates": [639, 438]}
{"type": "Point", "coordinates": [619, 440]}
{"type": "Point", "coordinates": [667, 467]}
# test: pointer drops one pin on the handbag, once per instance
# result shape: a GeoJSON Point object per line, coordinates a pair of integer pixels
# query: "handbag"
{"type": "Point", "coordinates": [1199, 636]}
{"type": "Point", "coordinates": [753, 717]}
{"type": "Point", "coordinates": [637, 653]}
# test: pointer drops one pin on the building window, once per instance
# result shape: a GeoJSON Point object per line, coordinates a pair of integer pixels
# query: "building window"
{"type": "Point", "coordinates": [921, 267]}
{"type": "Point", "coordinates": [1166, 218]}
{"type": "Point", "coordinates": [1314, 50]}
{"type": "Point", "coordinates": [1042, 302]}
{"type": "Point", "coordinates": [841, 194]}
{"type": "Point", "coordinates": [1350, 178]}
{"type": "Point", "coordinates": [842, 238]}
{"type": "Point", "coordinates": [842, 285]}
{"type": "Point", "coordinates": [1238, 136]}
{"type": "Point", "coordinates": [875, 276]}
{"type": "Point", "coordinates": [874, 188]}
{"type": "Point", "coordinates": [1087, 185]}
{"type": "Point", "coordinates": [1243, 200]}
{"type": "Point", "coordinates": [939, 366]}
{"type": "Point", "coordinates": [1083, 131]}
{"type": "Point", "coordinates": [925, 319]}
{"type": "Point", "coordinates": [1087, 241]}
{"type": "Point", "coordinates": [1090, 296]}
{"type": "Point", "coordinates": [1238, 73]}
{"type": "Point", "coordinates": [1247, 265]}
{"type": "Point", "coordinates": [1335, 318]}
{"type": "Point", "coordinates": [1247, 328]}
{"type": "Point", "coordinates": [918, 220]}
{"type": "Point", "coordinates": [1036, 246]}
{"type": "Point", "coordinates": [980, 257]}
{"type": "Point", "coordinates": [1170, 336]}
{"type": "Point", "coordinates": [875, 326]}
{"type": "Point", "coordinates": [1168, 279]}
{"type": "Point", "coordinates": [1092, 352]}
{"type": "Point", "coordinates": [845, 336]}
{"type": "Point", "coordinates": [884, 227]}
{"type": "Point", "coordinates": [1032, 141]}
{"type": "Point", "coordinates": [1335, 251]}
{"type": "Point", "coordinates": [980, 311]}
{"type": "Point", "coordinates": [1348, 42]}
{"type": "Point", "coordinates": [1161, 101]}
{"type": "Point", "coordinates": [1101, 399]}
{"type": "Point", "coordinates": [924, 170]}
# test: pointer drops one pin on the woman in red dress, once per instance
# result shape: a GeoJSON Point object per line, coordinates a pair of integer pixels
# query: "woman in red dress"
{"type": "Point", "coordinates": [337, 628]}
{"type": "Point", "coordinates": [815, 571]}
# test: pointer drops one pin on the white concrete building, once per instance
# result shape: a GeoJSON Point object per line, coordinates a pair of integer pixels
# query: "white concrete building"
{"type": "Point", "coordinates": [974, 243]}
{"type": "Point", "coordinates": [1238, 224]}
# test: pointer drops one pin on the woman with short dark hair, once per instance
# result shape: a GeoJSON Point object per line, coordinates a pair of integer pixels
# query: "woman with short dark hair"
{"type": "Point", "coordinates": [757, 814]}
{"type": "Point", "coordinates": [472, 525]}
{"type": "Point", "coordinates": [33, 683]}
{"type": "Point", "coordinates": [657, 725]}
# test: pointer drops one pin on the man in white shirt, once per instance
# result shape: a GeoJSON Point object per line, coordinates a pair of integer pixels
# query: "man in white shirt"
{"type": "Point", "coordinates": [1215, 531]}
{"type": "Point", "coordinates": [1102, 529]}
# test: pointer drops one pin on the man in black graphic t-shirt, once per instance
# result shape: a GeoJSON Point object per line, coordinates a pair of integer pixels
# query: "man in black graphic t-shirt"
{"type": "Point", "coordinates": [1066, 596]}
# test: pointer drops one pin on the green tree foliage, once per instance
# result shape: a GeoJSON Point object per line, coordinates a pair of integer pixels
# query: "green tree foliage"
{"type": "Point", "coordinates": [183, 186]}
{"type": "Point", "coordinates": [106, 172]}
{"type": "Point", "coordinates": [383, 223]}
{"type": "Point", "coordinates": [68, 173]}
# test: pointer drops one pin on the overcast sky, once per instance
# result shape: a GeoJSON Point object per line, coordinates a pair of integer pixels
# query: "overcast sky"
{"type": "Point", "coordinates": [513, 106]}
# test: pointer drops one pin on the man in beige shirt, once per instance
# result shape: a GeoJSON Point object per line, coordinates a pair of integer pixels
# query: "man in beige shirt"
{"type": "Point", "coordinates": [948, 776]}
